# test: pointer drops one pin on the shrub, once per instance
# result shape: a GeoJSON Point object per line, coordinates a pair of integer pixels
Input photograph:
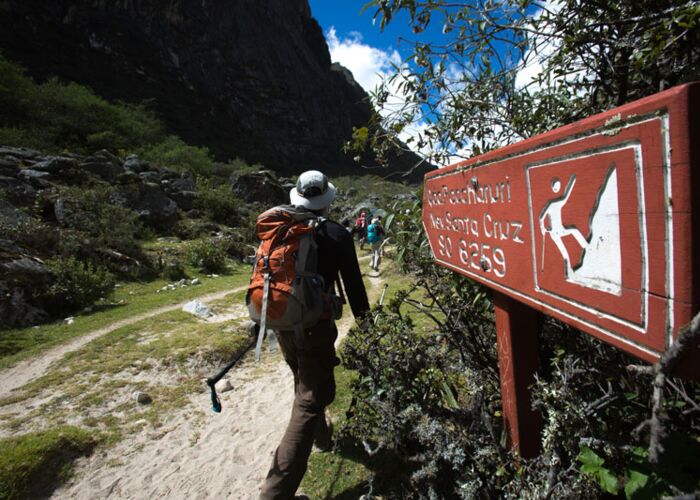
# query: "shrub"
{"type": "Point", "coordinates": [217, 202]}
{"type": "Point", "coordinates": [20, 137]}
{"type": "Point", "coordinates": [75, 284]}
{"type": "Point", "coordinates": [57, 115]}
{"type": "Point", "coordinates": [174, 153]}
{"type": "Point", "coordinates": [31, 233]}
{"type": "Point", "coordinates": [208, 255]}
{"type": "Point", "coordinates": [174, 271]}
{"type": "Point", "coordinates": [192, 229]}
{"type": "Point", "coordinates": [92, 211]}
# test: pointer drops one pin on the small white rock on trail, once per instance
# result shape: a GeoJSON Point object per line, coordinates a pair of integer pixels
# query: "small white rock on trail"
{"type": "Point", "coordinates": [198, 454]}
{"type": "Point", "coordinates": [26, 371]}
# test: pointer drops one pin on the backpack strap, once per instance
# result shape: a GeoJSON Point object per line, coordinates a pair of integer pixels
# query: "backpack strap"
{"type": "Point", "coordinates": [263, 313]}
{"type": "Point", "coordinates": [306, 245]}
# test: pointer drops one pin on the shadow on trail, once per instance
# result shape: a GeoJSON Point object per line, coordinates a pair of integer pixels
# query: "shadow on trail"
{"type": "Point", "coordinates": [386, 469]}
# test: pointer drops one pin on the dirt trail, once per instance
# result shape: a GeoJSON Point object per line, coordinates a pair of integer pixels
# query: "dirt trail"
{"type": "Point", "coordinates": [26, 371]}
{"type": "Point", "coordinates": [199, 454]}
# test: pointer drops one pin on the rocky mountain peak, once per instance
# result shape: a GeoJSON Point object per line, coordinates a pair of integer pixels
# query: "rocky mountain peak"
{"type": "Point", "coordinates": [245, 78]}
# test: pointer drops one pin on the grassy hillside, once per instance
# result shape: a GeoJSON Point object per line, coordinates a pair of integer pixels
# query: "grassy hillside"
{"type": "Point", "coordinates": [57, 116]}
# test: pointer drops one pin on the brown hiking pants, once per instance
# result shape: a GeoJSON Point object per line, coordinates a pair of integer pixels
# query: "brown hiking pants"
{"type": "Point", "coordinates": [311, 357]}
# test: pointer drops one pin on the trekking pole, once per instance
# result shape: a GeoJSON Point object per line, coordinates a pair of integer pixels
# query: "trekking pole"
{"type": "Point", "coordinates": [211, 381]}
{"type": "Point", "coordinates": [381, 301]}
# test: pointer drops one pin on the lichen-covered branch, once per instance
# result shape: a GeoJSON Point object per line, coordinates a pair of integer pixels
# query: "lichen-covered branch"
{"type": "Point", "coordinates": [687, 339]}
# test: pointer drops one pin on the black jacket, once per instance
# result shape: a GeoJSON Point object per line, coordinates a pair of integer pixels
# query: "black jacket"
{"type": "Point", "coordinates": [336, 254]}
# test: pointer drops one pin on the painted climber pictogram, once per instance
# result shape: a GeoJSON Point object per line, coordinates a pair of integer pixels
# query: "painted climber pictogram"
{"type": "Point", "coordinates": [599, 266]}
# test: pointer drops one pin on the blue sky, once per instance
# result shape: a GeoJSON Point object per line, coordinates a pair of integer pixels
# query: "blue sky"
{"type": "Point", "coordinates": [358, 44]}
{"type": "Point", "coordinates": [344, 16]}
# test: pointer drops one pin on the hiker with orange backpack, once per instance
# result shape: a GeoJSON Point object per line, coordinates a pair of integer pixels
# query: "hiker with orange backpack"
{"type": "Point", "coordinates": [301, 256]}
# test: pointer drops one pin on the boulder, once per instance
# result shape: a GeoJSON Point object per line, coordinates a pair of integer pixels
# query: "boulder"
{"type": "Point", "coordinates": [184, 199]}
{"type": "Point", "coordinates": [184, 183]}
{"type": "Point", "coordinates": [17, 192]}
{"type": "Point", "coordinates": [128, 177]}
{"type": "Point", "coordinates": [20, 275]}
{"type": "Point", "coordinates": [16, 309]}
{"type": "Point", "coordinates": [37, 179]}
{"type": "Point", "coordinates": [262, 187]}
{"type": "Point", "coordinates": [151, 176]}
{"type": "Point", "coordinates": [143, 398]}
{"type": "Point", "coordinates": [10, 214]}
{"type": "Point", "coordinates": [103, 168]}
{"type": "Point", "coordinates": [30, 174]}
{"type": "Point", "coordinates": [103, 154]}
{"type": "Point", "coordinates": [25, 269]}
{"type": "Point", "coordinates": [54, 164]}
{"type": "Point", "coordinates": [152, 205]}
{"type": "Point", "coordinates": [9, 162]}
{"type": "Point", "coordinates": [196, 308]}
{"type": "Point", "coordinates": [170, 174]}
{"type": "Point", "coordinates": [23, 153]}
{"type": "Point", "coordinates": [8, 171]}
{"type": "Point", "coordinates": [136, 164]}
{"type": "Point", "coordinates": [404, 197]}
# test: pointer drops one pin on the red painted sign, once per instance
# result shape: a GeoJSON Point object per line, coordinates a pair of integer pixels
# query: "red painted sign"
{"type": "Point", "coordinates": [590, 223]}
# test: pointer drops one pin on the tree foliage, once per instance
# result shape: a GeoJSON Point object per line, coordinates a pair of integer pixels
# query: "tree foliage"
{"type": "Point", "coordinates": [506, 70]}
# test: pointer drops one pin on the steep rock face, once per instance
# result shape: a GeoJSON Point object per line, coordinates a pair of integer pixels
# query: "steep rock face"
{"type": "Point", "coordinates": [246, 78]}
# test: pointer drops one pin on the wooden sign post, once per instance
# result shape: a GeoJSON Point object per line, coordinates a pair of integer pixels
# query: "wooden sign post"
{"type": "Point", "coordinates": [591, 223]}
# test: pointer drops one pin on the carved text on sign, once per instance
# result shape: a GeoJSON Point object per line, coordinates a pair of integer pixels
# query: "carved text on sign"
{"type": "Point", "coordinates": [476, 239]}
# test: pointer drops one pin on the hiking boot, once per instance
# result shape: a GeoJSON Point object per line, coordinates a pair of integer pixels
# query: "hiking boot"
{"type": "Point", "coordinates": [323, 440]}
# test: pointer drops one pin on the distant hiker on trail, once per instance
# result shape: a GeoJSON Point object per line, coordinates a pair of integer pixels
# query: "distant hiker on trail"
{"type": "Point", "coordinates": [309, 351]}
{"type": "Point", "coordinates": [375, 236]}
{"type": "Point", "coordinates": [361, 229]}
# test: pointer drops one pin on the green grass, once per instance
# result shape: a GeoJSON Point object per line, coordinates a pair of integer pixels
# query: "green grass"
{"type": "Point", "coordinates": [129, 300]}
{"type": "Point", "coordinates": [166, 356]}
{"type": "Point", "coordinates": [163, 342]}
{"type": "Point", "coordinates": [32, 464]}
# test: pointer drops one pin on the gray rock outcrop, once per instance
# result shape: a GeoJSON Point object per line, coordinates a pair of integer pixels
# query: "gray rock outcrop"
{"type": "Point", "coordinates": [262, 187]}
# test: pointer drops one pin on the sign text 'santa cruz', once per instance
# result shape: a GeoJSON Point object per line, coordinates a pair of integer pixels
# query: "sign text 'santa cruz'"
{"type": "Point", "coordinates": [591, 223]}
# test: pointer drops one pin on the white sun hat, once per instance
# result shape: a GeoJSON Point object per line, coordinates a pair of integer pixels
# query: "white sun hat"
{"type": "Point", "coordinates": [312, 191]}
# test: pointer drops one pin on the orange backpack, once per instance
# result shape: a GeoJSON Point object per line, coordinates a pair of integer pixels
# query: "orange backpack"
{"type": "Point", "coordinates": [286, 293]}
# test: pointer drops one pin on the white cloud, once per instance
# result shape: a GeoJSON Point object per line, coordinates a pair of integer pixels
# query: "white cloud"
{"type": "Point", "coordinates": [542, 47]}
{"type": "Point", "coordinates": [369, 65]}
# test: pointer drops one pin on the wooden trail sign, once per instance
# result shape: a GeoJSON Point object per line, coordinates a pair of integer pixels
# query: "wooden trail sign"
{"type": "Point", "coordinates": [591, 223]}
